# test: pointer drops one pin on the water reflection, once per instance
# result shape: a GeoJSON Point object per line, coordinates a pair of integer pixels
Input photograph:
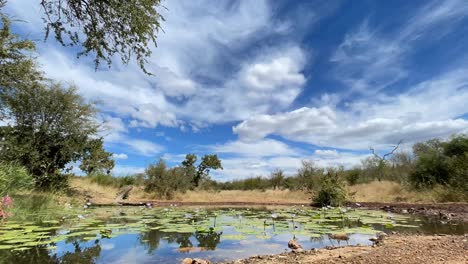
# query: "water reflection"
{"type": "Point", "coordinates": [218, 234]}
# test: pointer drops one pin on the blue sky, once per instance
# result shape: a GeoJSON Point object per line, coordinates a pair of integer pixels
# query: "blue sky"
{"type": "Point", "coordinates": [266, 84]}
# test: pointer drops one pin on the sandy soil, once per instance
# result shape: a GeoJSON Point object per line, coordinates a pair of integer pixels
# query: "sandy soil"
{"type": "Point", "coordinates": [395, 249]}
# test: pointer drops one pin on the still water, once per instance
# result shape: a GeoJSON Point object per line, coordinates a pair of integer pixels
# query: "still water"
{"type": "Point", "coordinates": [167, 235]}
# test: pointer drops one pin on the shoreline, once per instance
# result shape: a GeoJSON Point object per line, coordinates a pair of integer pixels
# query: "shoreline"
{"type": "Point", "coordinates": [456, 212]}
{"type": "Point", "coordinates": [398, 248]}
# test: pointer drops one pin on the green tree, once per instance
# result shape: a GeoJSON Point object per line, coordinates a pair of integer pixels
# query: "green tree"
{"type": "Point", "coordinates": [105, 28]}
{"type": "Point", "coordinates": [95, 159]}
{"type": "Point", "coordinates": [17, 66]}
{"type": "Point", "coordinates": [432, 165]}
{"type": "Point", "coordinates": [308, 176]}
{"type": "Point", "coordinates": [165, 181]}
{"type": "Point", "coordinates": [197, 173]}
{"type": "Point", "coordinates": [208, 162]}
{"type": "Point", "coordinates": [332, 189]}
{"type": "Point", "coordinates": [277, 179]}
{"type": "Point", "coordinates": [50, 127]}
{"type": "Point", "coordinates": [189, 167]}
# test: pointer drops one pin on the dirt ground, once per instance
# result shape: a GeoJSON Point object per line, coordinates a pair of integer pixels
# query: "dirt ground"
{"type": "Point", "coordinates": [400, 249]}
{"type": "Point", "coordinates": [457, 212]}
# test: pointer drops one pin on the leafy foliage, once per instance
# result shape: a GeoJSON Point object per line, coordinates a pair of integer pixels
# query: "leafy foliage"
{"type": "Point", "coordinates": [196, 174]}
{"type": "Point", "coordinates": [165, 181]}
{"type": "Point", "coordinates": [332, 190]}
{"type": "Point", "coordinates": [277, 179]}
{"type": "Point", "coordinates": [50, 127]}
{"type": "Point", "coordinates": [444, 163]}
{"type": "Point", "coordinates": [95, 159]}
{"type": "Point", "coordinates": [14, 178]}
{"type": "Point", "coordinates": [105, 28]}
{"type": "Point", "coordinates": [308, 176]}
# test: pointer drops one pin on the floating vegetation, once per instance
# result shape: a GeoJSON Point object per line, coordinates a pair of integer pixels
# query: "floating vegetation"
{"type": "Point", "coordinates": [220, 223]}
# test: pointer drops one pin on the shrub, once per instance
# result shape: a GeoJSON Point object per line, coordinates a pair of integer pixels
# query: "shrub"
{"type": "Point", "coordinates": [102, 179]}
{"type": "Point", "coordinates": [14, 178]}
{"type": "Point", "coordinates": [164, 181]}
{"type": "Point", "coordinates": [277, 179]}
{"type": "Point", "coordinates": [308, 176]}
{"type": "Point", "coordinates": [332, 190]}
{"type": "Point", "coordinates": [352, 176]}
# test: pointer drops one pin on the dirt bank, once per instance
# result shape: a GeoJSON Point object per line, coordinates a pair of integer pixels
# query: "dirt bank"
{"type": "Point", "coordinates": [457, 212]}
{"type": "Point", "coordinates": [395, 249]}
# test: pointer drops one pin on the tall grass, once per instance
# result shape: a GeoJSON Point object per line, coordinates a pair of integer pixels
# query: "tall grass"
{"type": "Point", "coordinates": [14, 178]}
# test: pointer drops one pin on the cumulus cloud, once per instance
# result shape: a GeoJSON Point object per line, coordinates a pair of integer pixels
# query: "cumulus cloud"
{"type": "Point", "coordinates": [261, 148]}
{"type": "Point", "coordinates": [241, 167]}
{"type": "Point", "coordinates": [410, 116]}
{"type": "Point", "coordinates": [121, 156]}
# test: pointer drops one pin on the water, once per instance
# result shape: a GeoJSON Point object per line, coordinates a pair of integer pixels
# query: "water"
{"type": "Point", "coordinates": [167, 235]}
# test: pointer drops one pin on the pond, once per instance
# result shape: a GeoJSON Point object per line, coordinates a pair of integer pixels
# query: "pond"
{"type": "Point", "coordinates": [167, 235]}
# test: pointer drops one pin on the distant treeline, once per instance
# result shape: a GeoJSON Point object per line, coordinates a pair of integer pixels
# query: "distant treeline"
{"type": "Point", "coordinates": [430, 164]}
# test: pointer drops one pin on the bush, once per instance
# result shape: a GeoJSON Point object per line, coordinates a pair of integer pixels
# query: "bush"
{"type": "Point", "coordinates": [308, 177]}
{"type": "Point", "coordinates": [164, 181]}
{"type": "Point", "coordinates": [102, 179]}
{"type": "Point", "coordinates": [14, 178]}
{"type": "Point", "coordinates": [332, 190]}
{"type": "Point", "coordinates": [352, 176]}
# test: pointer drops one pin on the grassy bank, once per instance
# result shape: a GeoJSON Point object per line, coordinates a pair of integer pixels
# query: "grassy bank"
{"type": "Point", "coordinates": [376, 191]}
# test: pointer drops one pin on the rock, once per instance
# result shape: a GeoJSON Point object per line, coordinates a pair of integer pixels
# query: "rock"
{"type": "Point", "coordinates": [381, 236]}
{"type": "Point", "coordinates": [200, 261]}
{"type": "Point", "coordinates": [340, 236]}
{"type": "Point", "coordinates": [187, 261]}
{"type": "Point", "coordinates": [294, 245]}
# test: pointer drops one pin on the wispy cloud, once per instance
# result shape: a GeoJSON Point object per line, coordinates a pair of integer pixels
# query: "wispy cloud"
{"type": "Point", "coordinates": [369, 60]}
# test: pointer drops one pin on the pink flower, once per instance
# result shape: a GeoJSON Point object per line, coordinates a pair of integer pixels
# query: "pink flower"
{"type": "Point", "coordinates": [7, 201]}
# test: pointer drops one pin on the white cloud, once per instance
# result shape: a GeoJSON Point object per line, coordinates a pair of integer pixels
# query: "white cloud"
{"type": "Point", "coordinates": [297, 122]}
{"type": "Point", "coordinates": [268, 83]}
{"type": "Point", "coordinates": [242, 167]}
{"type": "Point", "coordinates": [121, 156]}
{"type": "Point", "coordinates": [380, 121]}
{"type": "Point", "coordinates": [123, 170]}
{"type": "Point", "coordinates": [144, 147]}
{"type": "Point", "coordinates": [261, 148]}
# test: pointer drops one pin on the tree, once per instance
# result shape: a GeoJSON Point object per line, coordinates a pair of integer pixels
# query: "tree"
{"type": "Point", "coordinates": [332, 189]}
{"type": "Point", "coordinates": [277, 179]}
{"type": "Point", "coordinates": [165, 181]}
{"type": "Point", "coordinates": [444, 163]}
{"type": "Point", "coordinates": [95, 159]}
{"type": "Point", "coordinates": [382, 160]}
{"type": "Point", "coordinates": [208, 162]}
{"type": "Point", "coordinates": [17, 66]}
{"type": "Point", "coordinates": [105, 28]}
{"type": "Point", "coordinates": [188, 165]}
{"type": "Point", "coordinates": [50, 126]}
{"type": "Point", "coordinates": [309, 175]}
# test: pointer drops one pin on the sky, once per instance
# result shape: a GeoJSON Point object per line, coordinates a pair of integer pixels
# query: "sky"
{"type": "Point", "coordinates": [267, 84]}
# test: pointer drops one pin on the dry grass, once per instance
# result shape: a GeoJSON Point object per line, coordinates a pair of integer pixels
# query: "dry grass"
{"type": "Point", "coordinates": [100, 194]}
{"type": "Point", "coordinates": [384, 191]}
{"type": "Point", "coordinates": [387, 191]}
{"type": "Point", "coordinates": [268, 196]}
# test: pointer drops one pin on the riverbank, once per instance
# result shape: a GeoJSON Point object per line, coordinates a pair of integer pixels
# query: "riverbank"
{"type": "Point", "coordinates": [402, 249]}
{"type": "Point", "coordinates": [384, 191]}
